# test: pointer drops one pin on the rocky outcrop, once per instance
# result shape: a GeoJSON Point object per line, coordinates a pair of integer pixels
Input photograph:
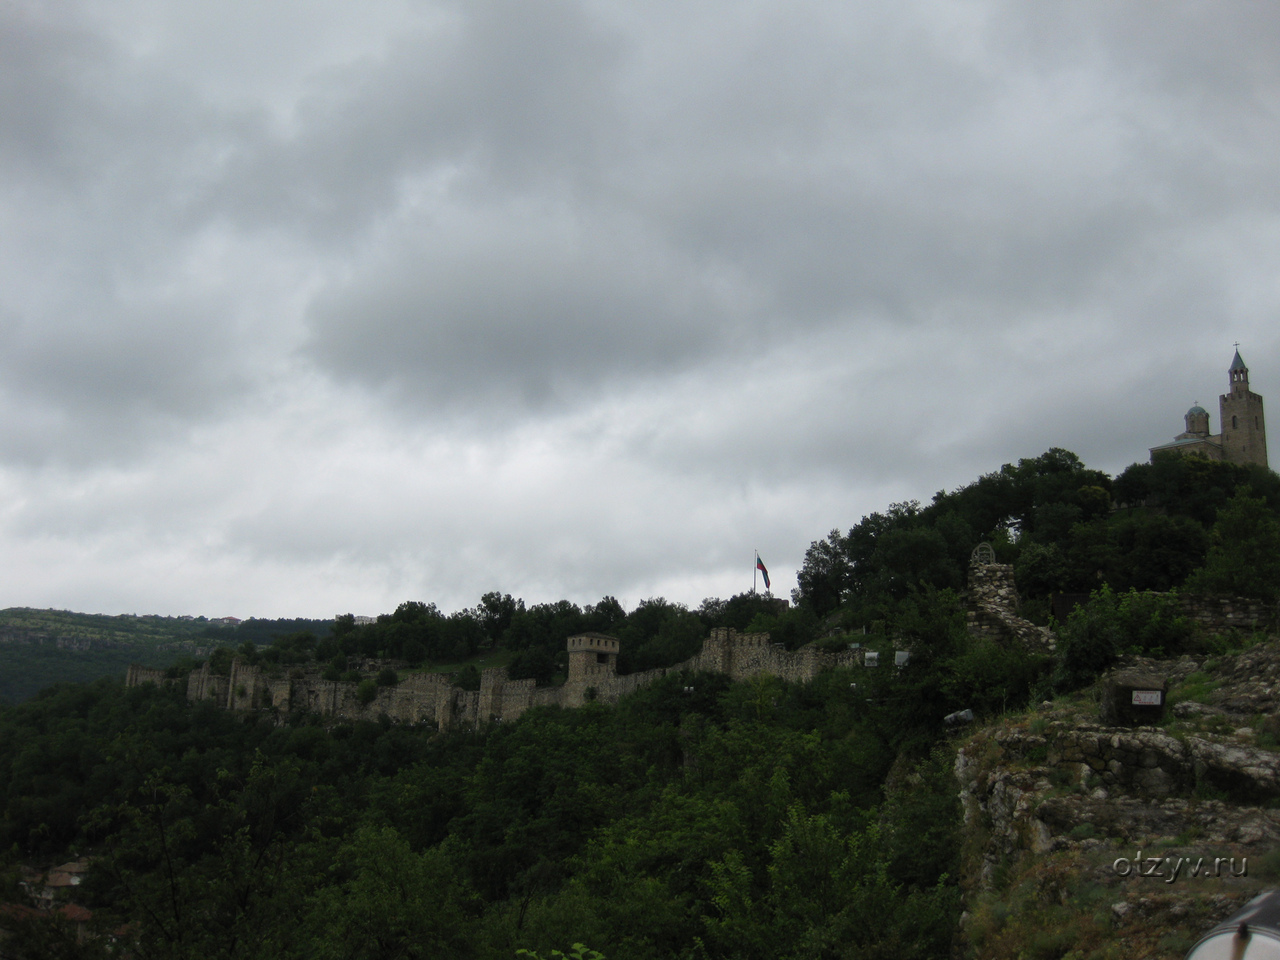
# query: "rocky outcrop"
{"type": "Point", "coordinates": [1058, 780]}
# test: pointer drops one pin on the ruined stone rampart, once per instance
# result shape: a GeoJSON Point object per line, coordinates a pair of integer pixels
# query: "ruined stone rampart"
{"type": "Point", "coordinates": [202, 684]}
{"type": "Point", "coordinates": [1234, 613]}
{"type": "Point", "coordinates": [139, 675]}
{"type": "Point", "coordinates": [993, 606]}
{"type": "Point", "coordinates": [431, 697]}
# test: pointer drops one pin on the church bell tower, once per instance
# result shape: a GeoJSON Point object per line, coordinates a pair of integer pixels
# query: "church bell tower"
{"type": "Point", "coordinates": [1244, 429]}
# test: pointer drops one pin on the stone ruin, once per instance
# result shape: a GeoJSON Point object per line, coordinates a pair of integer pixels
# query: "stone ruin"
{"type": "Point", "coordinates": [432, 698]}
{"type": "Point", "coordinates": [993, 603]}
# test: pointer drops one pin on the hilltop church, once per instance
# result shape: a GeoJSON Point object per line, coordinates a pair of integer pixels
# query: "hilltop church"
{"type": "Point", "coordinates": [1244, 430]}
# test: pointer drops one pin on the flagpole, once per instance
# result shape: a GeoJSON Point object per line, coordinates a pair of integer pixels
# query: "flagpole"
{"type": "Point", "coordinates": [753, 571]}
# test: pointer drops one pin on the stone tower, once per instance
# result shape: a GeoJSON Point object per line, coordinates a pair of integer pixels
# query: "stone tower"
{"type": "Point", "coordinates": [592, 656]}
{"type": "Point", "coordinates": [1244, 430]}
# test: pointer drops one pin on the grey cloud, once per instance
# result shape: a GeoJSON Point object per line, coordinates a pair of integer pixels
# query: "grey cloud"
{"type": "Point", "coordinates": [830, 177]}
{"type": "Point", "coordinates": [511, 93]}
{"type": "Point", "coordinates": [737, 269]}
{"type": "Point", "coordinates": [531, 307]}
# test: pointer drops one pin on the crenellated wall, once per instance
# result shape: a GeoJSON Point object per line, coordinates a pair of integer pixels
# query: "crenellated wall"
{"type": "Point", "coordinates": [139, 675]}
{"type": "Point", "coordinates": [431, 697]}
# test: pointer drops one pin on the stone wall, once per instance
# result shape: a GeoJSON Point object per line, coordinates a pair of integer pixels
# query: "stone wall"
{"type": "Point", "coordinates": [204, 685]}
{"type": "Point", "coordinates": [1234, 613]}
{"type": "Point", "coordinates": [993, 607]}
{"type": "Point", "coordinates": [139, 675]}
{"type": "Point", "coordinates": [428, 697]}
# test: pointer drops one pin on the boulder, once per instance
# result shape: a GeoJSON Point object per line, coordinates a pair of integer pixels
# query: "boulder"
{"type": "Point", "coordinates": [1133, 698]}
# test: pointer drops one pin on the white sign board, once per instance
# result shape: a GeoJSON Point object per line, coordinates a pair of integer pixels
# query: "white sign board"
{"type": "Point", "coordinates": [1146, 698]}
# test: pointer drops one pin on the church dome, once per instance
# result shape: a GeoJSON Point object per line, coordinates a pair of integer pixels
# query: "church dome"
{"type": "Point", "coordinates": [1197, 411]}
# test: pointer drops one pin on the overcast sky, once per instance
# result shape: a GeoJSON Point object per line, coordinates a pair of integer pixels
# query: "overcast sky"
{"type": "Point", "coordinates": [315, 307]}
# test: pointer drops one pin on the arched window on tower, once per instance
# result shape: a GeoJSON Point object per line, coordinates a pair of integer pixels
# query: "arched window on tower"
{"type": "Point", "coordinates": [1234, 425]}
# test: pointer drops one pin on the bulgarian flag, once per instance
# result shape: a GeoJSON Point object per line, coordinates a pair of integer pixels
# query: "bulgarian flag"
{"type": "Point", "coordinates": [760, 566]}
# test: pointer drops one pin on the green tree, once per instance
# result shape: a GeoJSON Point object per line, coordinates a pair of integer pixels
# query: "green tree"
{"type": "Point", "coordinates": [1244, 551]}
{"type": "Point", "coordinates": [387, 902]}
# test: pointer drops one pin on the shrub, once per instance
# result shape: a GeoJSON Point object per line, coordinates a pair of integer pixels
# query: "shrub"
{"type": "Point", "coordinates": [1112, 624]}
{"type": "Point", "coordinates": [387, 677]}
{"type": "Point", "coordinates": [367, 692]}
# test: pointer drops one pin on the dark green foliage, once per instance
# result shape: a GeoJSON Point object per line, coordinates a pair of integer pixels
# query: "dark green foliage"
{"type": "Point", "coordinates": [222, 838]}
{"type": "Point", "coordinates": [536, 663]}
{"type": "Point", "coordinates": [1244, 559]}
{"type": "Point", "coordinates": [738, 611]}
{"type": "Point", "coordinates": [826, 576]}
{"type": "Point", "coordinates": [1055, 521]}
{"type": "Point", "coordinates": [1112, 624]}
{"type": "Point", "coordinates": [658, 634]}
{"type": "Point", "coordinates": [468, 678]}
{"type": "Point", "coordinates": [793, 627]}
{"type": "Point", "coordinates": [1131, 551]}
{"type": "Point", "coordinates": [383, 899]}
{"type": "Point", "coordinates": [388, 677]}
{"type": "Point", "coordinates": [367, 691]}
{"type": "Point", "coordinates": [28, 668]}
{"type": "Point", "coordinates": [910, 547]}
{"type": "Point", "coordinates": [1193, 487]}
{"type": "Point", "coordinates": [496, 613]}
{"type": "Point", "coordinates": [220, 661]}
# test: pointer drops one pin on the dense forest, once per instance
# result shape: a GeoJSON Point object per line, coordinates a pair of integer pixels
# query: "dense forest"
{"type": "Point", "coordinates": [695, 819]}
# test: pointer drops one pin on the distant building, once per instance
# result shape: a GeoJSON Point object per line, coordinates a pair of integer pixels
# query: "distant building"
{"type": "Point", "coordinates": [1244, 428]}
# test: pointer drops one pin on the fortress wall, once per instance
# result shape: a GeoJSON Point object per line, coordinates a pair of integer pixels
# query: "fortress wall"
{"type": "Point", "coordinates": [490, 698]}
{"type": "Point", "coordinates": [139, 675]}
{"type": "Point", "coordinates": [517, 697]}
{"type": "Point", "coordinates": [547, 697]}
{"type": "Point", "coordinates": [1235, 613]}
{"type": "Point", "coordinates": [432, 697]}
{"type": "Point", "coordinates": [466, 707]}
{"type": "Point", "coordinates": [204, 685]}
{"type": "Point", "coordinates": [280, 694]}
{"type": "Point", "coordinates": [244, 692]}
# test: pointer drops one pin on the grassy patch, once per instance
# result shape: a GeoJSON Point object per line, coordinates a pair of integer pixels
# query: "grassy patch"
{"type": "Point", "coordinates": [1196, 687]}
{"type": "Point", "coordinates": [486, 660]}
